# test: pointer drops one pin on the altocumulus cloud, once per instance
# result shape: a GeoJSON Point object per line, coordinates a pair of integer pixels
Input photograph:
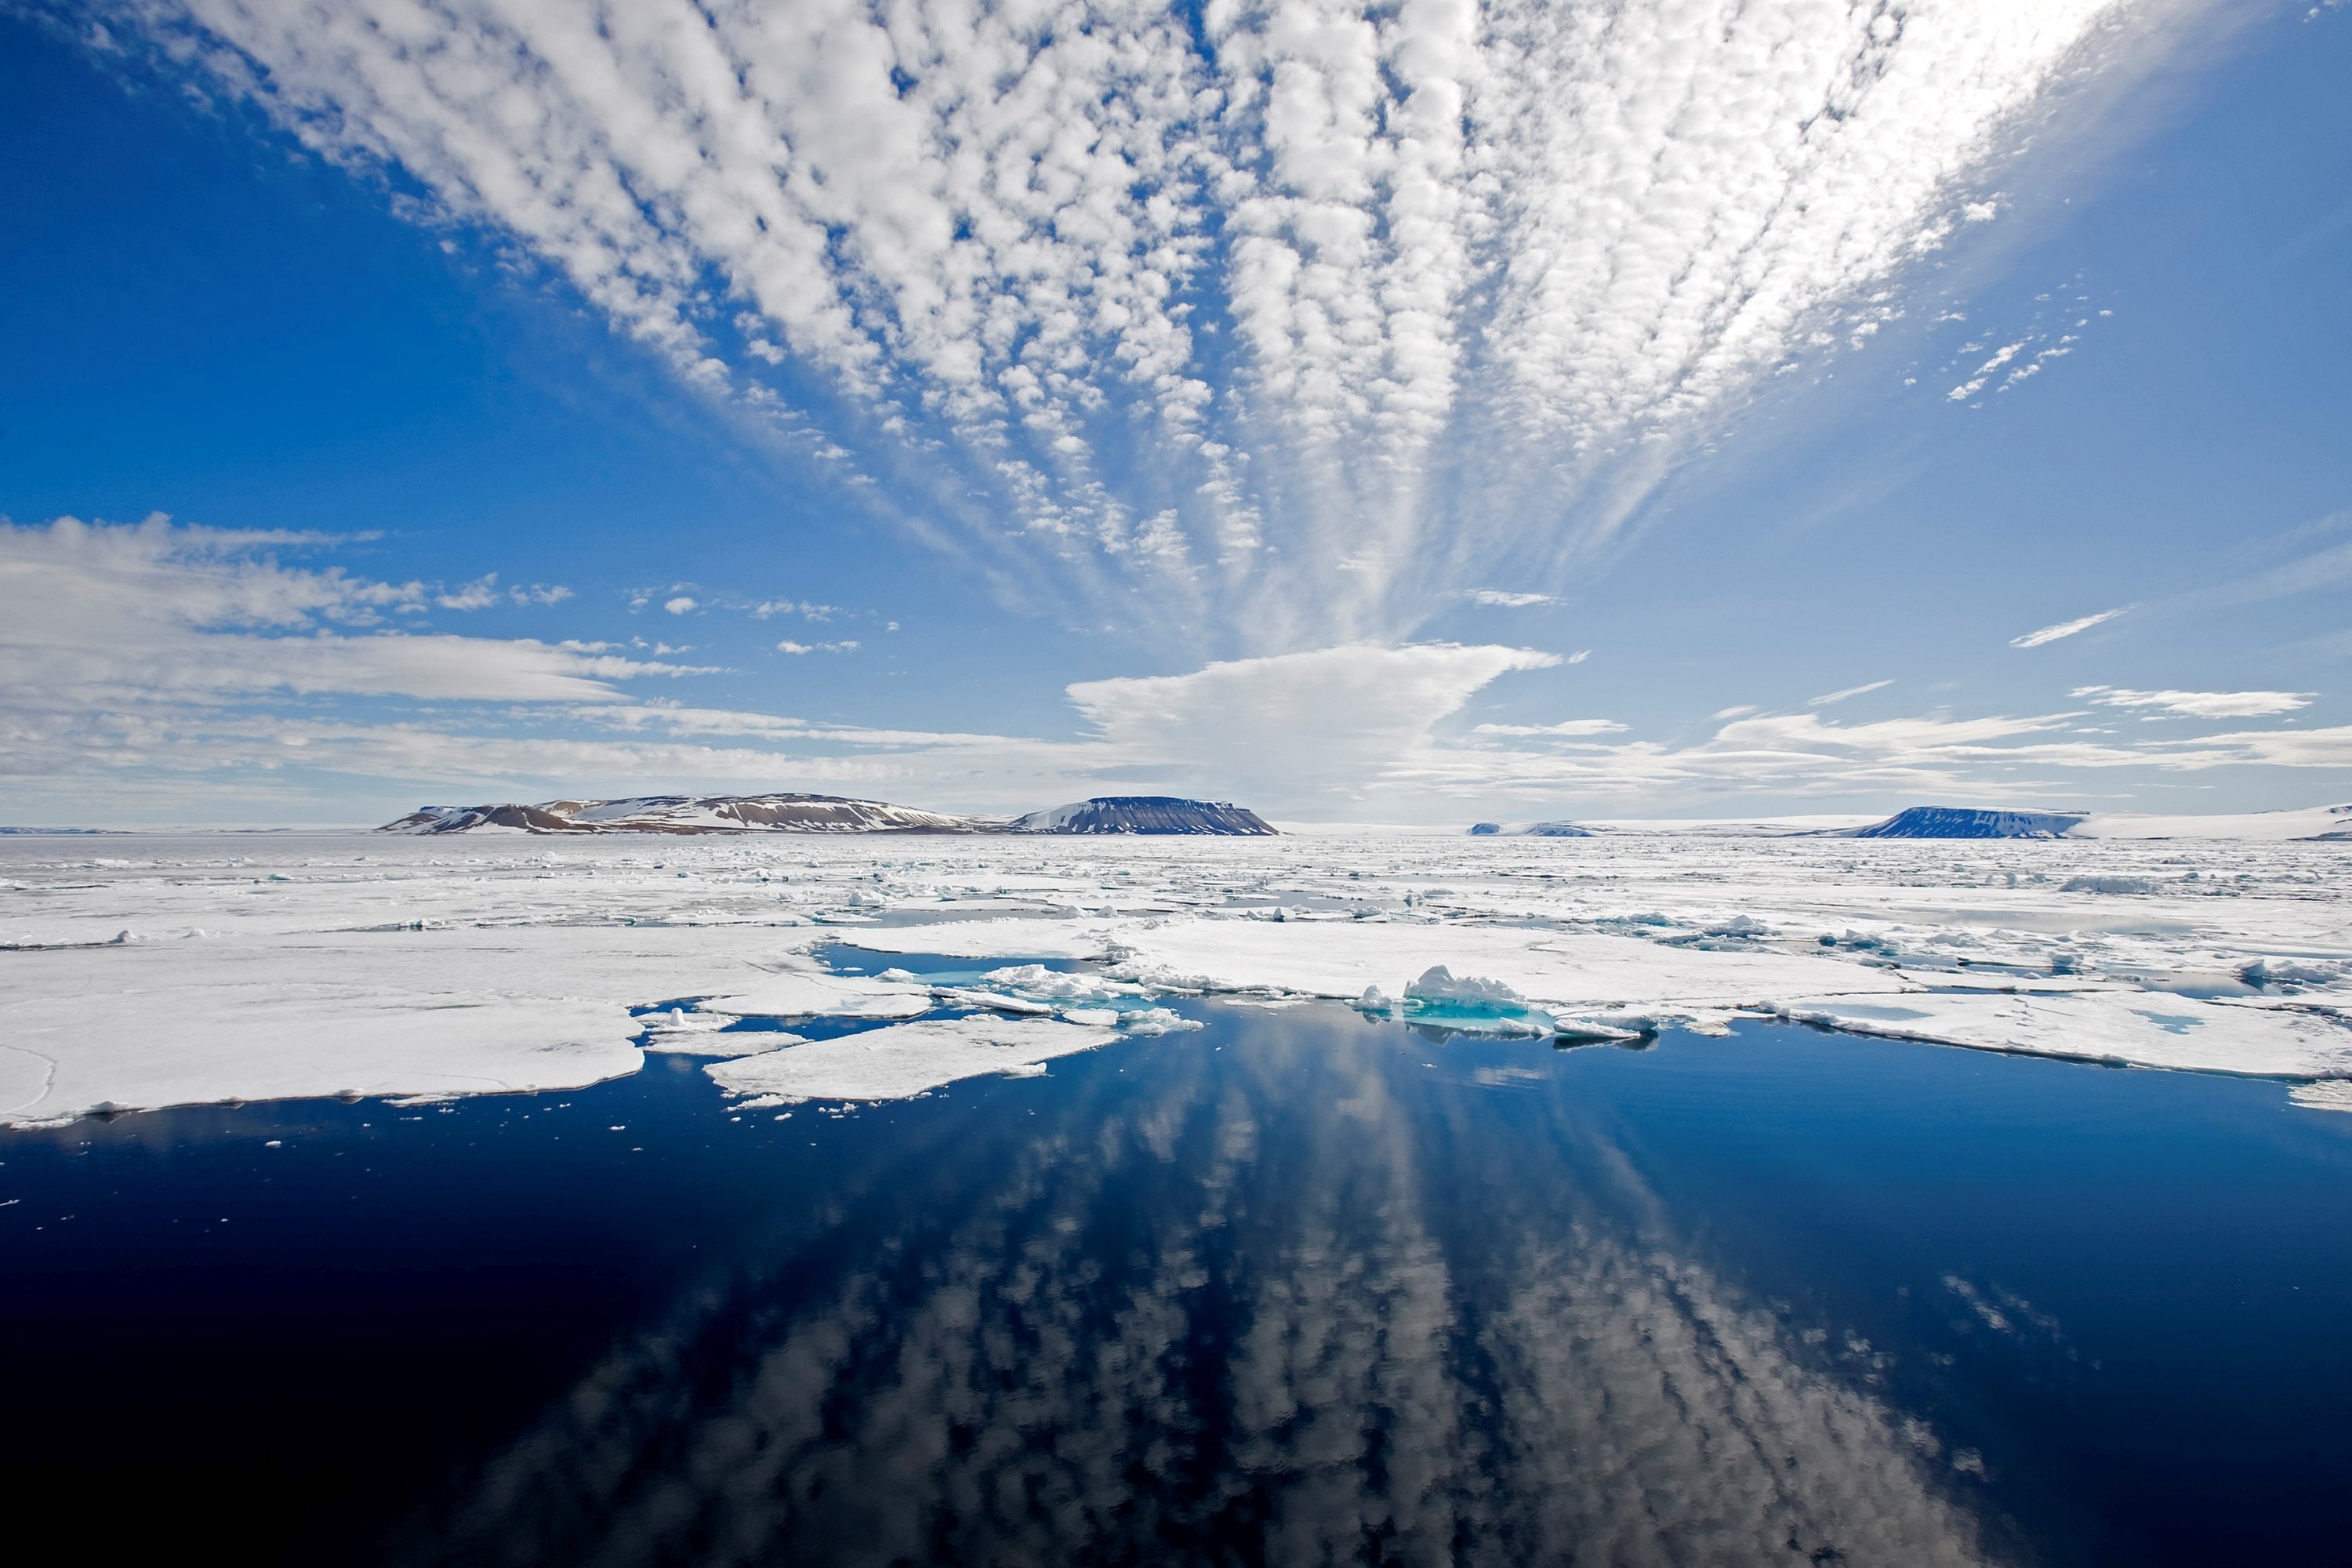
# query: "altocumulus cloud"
{"type": "Point", "coordinates": [1218, 302]}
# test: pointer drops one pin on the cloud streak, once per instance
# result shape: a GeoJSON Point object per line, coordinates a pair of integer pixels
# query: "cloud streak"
{"type": "Point", "coordinates": [94, 616]}
{"type": "Point", "coordinates": [2199, 704]}
{"type": "Point", "coordinates": [1305, 317]}
{"type": "Point", "coordinates": [2064, 630]}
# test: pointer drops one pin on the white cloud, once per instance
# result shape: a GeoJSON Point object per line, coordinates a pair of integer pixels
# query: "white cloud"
{"type": "Point", "coordinates": [1829, 697]}
{"type": "Point", "coordinates": [484, 591]}
{"type": "Point", "coordinates": [2199, 704]}
{"type": "Point", "coordinates": [1323, 724]}
{"type": "Point", "coordinates": [804, 608]}
{"type": "Point", "coordinates": [123, 636]}
{"type": "Point", "coordinates": [681, 604]}
{"type": "Point", "coordinates": [130, 654]}
{"type": "Point", "coordinates": [2328, 748]}
{"type": "Point", "coordinates": [1571, 727]}
{"type": "Point", "coordinates": [788, 646]}
{"type": "Point", "coordinates": [1471, 256]}
{"type": "Point", "coordinates": [1802, 754]}
{"type": "Point", "coordinates": [2067, 629]}
{"type": "Point", "coordinates": [478, 594]}
{"type": "Point", "coordinates": [1985, 371]}
{"type": "Point", "coordinates": [1506, 600]}
{"type": "Point", "coordinates": [1579, 655]}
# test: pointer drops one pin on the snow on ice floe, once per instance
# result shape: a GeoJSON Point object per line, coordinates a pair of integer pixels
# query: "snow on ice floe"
{"type": "Point", "coordinates": [803, 990]}
{"type": "Point", "coordinates": [2326, 1094]}
{"type": "Point", "coordinates": [901, 1059]}
{"type": "Point", "coordinates": [284, 966]}
{"type": "Point", "coordinates": [1605, 978]}
{"type": "Point", "coordinates": [1068, 936]}
{"type": "Point", "coordinates": [180, 1024]}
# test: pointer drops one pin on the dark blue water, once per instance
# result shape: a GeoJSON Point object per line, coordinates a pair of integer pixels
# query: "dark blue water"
{"type": "Point", "coordinates": [1301, 1288]}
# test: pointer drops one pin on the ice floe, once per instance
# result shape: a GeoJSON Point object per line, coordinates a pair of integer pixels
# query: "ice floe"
{"type": "Point", "coordinates": [315, 964]}
{"type": "Point", "coordinates": [901, 1059]}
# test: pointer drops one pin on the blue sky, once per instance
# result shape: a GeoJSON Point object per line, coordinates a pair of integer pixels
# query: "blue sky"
{"type": "Point", "coordinates": [1290, 402]}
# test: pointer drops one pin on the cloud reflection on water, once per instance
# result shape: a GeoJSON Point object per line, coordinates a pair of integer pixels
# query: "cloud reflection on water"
{"type": "Point", "coordinates": [1302, 1299]}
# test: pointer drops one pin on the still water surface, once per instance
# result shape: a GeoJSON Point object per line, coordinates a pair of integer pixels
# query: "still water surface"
{"type": "Point", "coordinates": [1300, 1288]}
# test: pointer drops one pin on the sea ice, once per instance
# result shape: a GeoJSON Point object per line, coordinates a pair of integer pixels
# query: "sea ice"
{"type": "Point", "coordinates": [799, 988]}
{"type": "Point", "coordinates": [312, 964]}
{"type": "Point", "coordinates": [901, 1059]}
{"type": "Point", "coordinates": [1467, 1003]}
{"type": "Point", "coordinates": [188, 1023]}
{"type": "Point", "coordinates": [1603, 979]}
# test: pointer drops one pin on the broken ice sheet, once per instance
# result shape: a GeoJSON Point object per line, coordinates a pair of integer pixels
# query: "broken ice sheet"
{"type": "Point", "coordinates": [356, 965]}
{"type": "Point", "coordinates": [901, 1059]}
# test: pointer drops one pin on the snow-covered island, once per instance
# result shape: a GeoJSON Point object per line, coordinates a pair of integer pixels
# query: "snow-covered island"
{"type": "Point", "coordinates": [140, 971]}
{"type": "Point", "coordinates": [685, 814]}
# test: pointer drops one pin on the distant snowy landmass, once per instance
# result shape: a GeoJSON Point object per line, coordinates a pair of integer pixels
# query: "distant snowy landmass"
{"type": "Point", "coordinates": [1528, 830]}
{"type": "Point", "coordinates": [1137, 814]}
{"type": "Point", "coordinates": [2260, 826]}
{"type": "Point", "coordinates": [1963, 822]}
{"type": "Point", "coordinates": [691, 813]}
{"type": "Point", "coordinates": [1146, 814]}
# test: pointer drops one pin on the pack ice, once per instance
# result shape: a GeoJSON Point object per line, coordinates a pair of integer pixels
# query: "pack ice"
{"type": "Point", "coordinates": [165, 969]}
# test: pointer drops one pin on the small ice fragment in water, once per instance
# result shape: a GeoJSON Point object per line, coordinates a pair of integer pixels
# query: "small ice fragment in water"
{"type": "Point", "coordinates": [1469, 1002]}
{"type": "Point", "coordinates": [2327, 1094]}
{"type": "Point", "coordinates": [1155, 1021]}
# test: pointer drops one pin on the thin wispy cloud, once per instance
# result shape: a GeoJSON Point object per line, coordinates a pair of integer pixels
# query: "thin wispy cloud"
{"type": "Point", "coordinates": [1569, 727]}
{"type": "Point", "coordinates": [1503, 599]}
{"type": "Point", "coordinates": [805, 609]}
{"type": "Point", "coordinates": [483, 592]}
{"type": "Point", "coordinates": [1827, 697]}
{"type": "Point", "coordinates": [2067, 629]}
{"type": "Point", "coordinates": [152, 620]}
{"type": "Point", "coordinates": [2199, 704]}
{"type": "Point", "coordinates": [1210, 302]}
